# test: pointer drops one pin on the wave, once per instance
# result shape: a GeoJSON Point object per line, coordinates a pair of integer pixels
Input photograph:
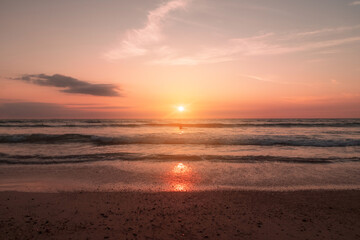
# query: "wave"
{"type": "Point", "coordinates": [123, 156]}
{"type": "Point", "coordinates": [239, 125]}
{"type": "Point", "coordinates": [66, 125]}
{"type": "Point", "coordinates": [263, 140]}
{"type": "Point", "coordinates": [143, 123]}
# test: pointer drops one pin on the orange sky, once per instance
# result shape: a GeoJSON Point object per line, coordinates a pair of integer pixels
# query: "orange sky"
{"type": "Point", "coordinates": [142, 59]}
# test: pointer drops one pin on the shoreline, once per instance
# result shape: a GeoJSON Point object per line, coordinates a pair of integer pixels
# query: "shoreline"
{"type": "Point", "coordinates": [178, 176]}
{"type": "Point", "coordinates": [219, 214]}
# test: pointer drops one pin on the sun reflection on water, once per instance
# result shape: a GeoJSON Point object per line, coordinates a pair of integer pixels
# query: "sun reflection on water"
{"type": "Point", "coordinates": [180, 168]}
{"type": "Point", "coordinates": [180, 188]}
{"type": "Point", "coordinates": [181, 178]}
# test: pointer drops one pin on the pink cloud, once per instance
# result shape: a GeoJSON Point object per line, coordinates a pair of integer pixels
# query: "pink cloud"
{"type": "Point", "coordinates": [355, 3]}
{"type": "Point", "coordinates": [151, 40]}
{"type": "Point", "coordinates": [266, 44]}
{"type": "Point", "coordinates": [137, 41]}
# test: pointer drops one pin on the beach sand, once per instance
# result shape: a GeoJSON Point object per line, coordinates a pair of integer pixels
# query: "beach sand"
{"type": "Point", "coordinates": [321, 214]}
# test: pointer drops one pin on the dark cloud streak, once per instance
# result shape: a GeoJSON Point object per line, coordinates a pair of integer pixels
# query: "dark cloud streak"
{"type": "Point", "coordinates": [71, 85]}
{"type": "Point", "coordinates": [41, 110]}
{"type": "Point", "coordinates": [35, 110]}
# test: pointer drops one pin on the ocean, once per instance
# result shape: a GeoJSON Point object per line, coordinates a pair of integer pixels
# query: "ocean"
{"type": "Point", "coordinates": [179, 155]}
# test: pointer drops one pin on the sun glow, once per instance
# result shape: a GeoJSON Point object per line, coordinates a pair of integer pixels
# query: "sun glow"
{"type": "Point", "coordinates": [181, 169]}
{"type": "Point", "coordinates": [181, 178]}
{"type": "Point", "coordinates": [180, 108]}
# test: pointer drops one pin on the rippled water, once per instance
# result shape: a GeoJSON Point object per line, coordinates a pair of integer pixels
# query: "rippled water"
{"type": "Point", "coordinates": [218, 149]}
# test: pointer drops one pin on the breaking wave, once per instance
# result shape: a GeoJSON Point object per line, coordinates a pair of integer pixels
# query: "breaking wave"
{"type": "Point", "coordinates": [123, 156]}
{"type": "Point", "coordinates": [257, 140]}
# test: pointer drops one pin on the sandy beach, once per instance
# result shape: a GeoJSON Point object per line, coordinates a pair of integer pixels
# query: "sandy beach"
{"type": "Point", "coordinates": [181, 215]}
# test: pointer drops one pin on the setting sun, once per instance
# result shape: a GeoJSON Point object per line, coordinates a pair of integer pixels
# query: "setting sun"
{"type": "Point", "coordinates": [181, 108]}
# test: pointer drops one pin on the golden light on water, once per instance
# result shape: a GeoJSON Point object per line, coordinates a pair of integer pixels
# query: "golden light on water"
{"type": "Point", "coordinates": [181, 178]}
{"type": "Point", "coordinates": [181, 168]}
{"type": "Point", "coordinates": [180, 188]}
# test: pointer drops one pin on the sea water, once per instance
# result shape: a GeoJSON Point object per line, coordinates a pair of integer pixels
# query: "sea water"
{"type": "Point", "coordinates": [179, 155]}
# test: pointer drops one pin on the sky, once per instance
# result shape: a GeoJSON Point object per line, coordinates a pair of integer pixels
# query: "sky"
{"type": "Point", "coordinates": [144, 58]}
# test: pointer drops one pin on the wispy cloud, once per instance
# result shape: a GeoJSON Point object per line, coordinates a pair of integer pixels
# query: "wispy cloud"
{"type": "Point", "coordinates": [137, 41]}
{"type": "Point", "coordinates": [328, 30]}
{"type": "Point", "coordinates": [265, 44]}
{"type": "Point", "coordinates": [70, 85]}
{"type": "Point", "coordinates": [354, 3]}
{"type": "Point", "coordinates": [272, 80]}
{"type": "Point", "coordinates": [253, 77]}
{"type": "Point", "coordinates": [151, 40]}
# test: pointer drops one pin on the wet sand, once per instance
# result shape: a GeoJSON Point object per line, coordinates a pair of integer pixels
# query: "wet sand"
{"type": "Point", "coordinates": [181, 215]}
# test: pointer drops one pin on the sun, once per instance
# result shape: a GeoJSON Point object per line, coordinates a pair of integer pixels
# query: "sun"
{"type": "Point", "coordinates": [180, 108]}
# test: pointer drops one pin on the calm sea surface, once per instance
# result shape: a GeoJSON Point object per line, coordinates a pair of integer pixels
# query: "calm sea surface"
{"type": "Point", "coordinates": [218, 153]}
